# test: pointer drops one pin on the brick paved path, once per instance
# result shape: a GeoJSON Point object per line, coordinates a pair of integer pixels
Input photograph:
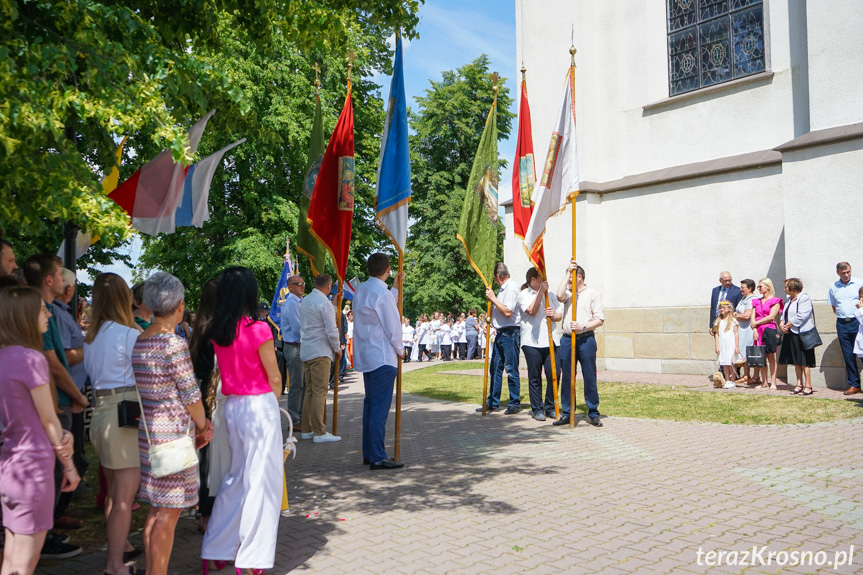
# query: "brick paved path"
{"type": "Point", "coordinates": [505, 494]}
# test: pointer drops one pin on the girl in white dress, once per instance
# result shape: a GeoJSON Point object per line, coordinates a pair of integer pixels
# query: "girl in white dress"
{"type": "Point", "coordinates": [727, 340]}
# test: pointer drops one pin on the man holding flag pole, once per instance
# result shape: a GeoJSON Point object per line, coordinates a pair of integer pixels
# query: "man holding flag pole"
{"type": "Point", "coordinates": [523, 182]}
{"type": "Point", "coordinates": [559, 185]}
{"type": "Point", "coordinates": [392, 196]}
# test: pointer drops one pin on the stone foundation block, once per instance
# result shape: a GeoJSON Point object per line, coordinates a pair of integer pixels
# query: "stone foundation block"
{"type": "Point", "coordinates": [685, 319]}
{"type": "Point", "coordinates": [662, 346]}
{"type": "Point", "coordinates": [619, 346]}
{"type": "Point", "coordinates": [633, 320]}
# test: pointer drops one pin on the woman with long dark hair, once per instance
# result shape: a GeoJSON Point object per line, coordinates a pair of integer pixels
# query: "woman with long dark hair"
{"type": "Point", "coordinates": [245, 519]}
{"type": "Point", "coordinates": [204, 361]}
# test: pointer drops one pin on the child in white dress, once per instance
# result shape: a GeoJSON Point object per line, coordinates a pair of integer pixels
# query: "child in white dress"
{"type": "Point", "coordinates": [727, 341]}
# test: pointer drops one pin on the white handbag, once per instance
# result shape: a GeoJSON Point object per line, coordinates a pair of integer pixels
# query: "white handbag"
{"type": "Point", "coordinates": [172, 457]}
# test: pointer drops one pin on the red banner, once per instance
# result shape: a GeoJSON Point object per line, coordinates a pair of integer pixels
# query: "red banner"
{"type": "Point", "coordinates": [331, 209]}
{"type": "Point", "coordinates": [524, 178]}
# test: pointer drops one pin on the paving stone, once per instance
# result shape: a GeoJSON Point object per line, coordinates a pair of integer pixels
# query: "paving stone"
{"type": "Point", "coordinates": [505, 495]}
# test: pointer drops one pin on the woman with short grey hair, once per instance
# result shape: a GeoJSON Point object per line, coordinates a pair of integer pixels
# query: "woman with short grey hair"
{"type": "Point", "coordinates": [170, 398]}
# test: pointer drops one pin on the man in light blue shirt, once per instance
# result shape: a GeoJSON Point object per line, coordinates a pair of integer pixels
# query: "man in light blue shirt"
{"type": "Point", "coordinates": [290, 326]}
{"type": "Point", "coordinates": [843, 296]}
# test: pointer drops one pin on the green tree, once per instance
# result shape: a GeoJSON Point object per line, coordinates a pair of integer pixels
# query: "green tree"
{"type": "Point", "coordinates": [255, 195]}
{"type": "Point", "coordinates": [447, 127]}
{"type": "Point", "coordinates": [76, 75]}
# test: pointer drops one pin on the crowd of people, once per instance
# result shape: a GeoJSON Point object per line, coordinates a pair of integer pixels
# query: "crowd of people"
{"type": "Point", "coordinates": [445, 338]}
{"type": "Point", "coordinates": [185, 409]}
{"type": "Point", "coordinates": [755, 331]}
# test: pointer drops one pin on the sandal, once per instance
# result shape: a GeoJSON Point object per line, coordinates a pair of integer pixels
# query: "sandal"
{"type": "Point", "coordinates": [772, 387]}
{"type": "Point", "coordinates": [808, 391]}
{"type": "Point", "coordinates": [798, 389]}
{"type": "Point", "coordinates": [762, 386]}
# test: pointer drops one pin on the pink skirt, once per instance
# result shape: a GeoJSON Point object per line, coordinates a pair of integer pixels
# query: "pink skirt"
{"type": "Point", "coordinates": [27, 493]}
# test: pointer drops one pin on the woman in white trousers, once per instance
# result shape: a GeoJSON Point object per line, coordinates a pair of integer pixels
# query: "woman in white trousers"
{"type": "Point", "coordinates": [244, 525]}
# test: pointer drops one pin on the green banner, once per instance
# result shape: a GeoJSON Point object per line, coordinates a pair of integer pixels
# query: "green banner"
{"type": "Point", "coordinates": [307, 244]}
{"type": "Point", "coordinates": [477, 228]}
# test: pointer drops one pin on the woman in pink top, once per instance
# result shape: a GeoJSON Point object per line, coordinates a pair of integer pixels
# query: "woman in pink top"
{"type": "Point", "coordinates": [767, 309]}
{"type": "Point", "coordinates": [32, 436]}
{"type": "Point", "coordinates": [245, 519]}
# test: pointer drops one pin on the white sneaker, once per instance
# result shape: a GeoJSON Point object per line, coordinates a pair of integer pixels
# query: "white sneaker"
{"type": "Point", "coordinates": [309, 435]}
{"type": "Point", "coordinates": [326, 438]}
{"type": "Point", "coordinates": [730, 385]}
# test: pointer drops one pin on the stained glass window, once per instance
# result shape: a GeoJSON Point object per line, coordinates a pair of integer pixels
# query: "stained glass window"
{"type": "Point", "coordinates": [713, 41]}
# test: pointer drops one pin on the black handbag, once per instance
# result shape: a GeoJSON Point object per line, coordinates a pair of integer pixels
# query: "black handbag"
{"type": "Point", "coordinates": [810, 339]}
{"type": "Point", "coordinates": [756, 355]}
{"type": "Point", "coordinates": [128, 413]}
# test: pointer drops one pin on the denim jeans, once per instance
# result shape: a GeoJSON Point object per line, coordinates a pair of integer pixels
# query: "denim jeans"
{"type": "Point", "coordinates": [585, 354]}
{"type": "Point", "coordinates": [505, 357]}
{"type": "Point", "coordinates": [846, 332]}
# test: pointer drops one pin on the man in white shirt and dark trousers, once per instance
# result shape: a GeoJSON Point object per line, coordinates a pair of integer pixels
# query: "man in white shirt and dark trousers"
{"type": "Point", "coordinates": [320, 338]}
{"type": "Point", "coordinates": [505, 320]}
{"type": "Point", "coordinates": [589, 315]}
{"type": "Point", "coordinates": [535, 344]}
{"type": "Point", "coordinates": [290, 326]}
{"type": "Point", "coordinates": [378, 335]}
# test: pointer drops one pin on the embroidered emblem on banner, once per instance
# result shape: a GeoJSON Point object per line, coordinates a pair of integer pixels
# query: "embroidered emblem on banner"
{"type": "Point", "coordinates": [312, 176]}
{"type": "Point", "coordinates": [550, 160]}
{"type": "Point", "coordinates": [346, 185]}
{"type": "Point", "coordinates": [486, 189]}
{"type": "Point", "coordinates": [526, 180]}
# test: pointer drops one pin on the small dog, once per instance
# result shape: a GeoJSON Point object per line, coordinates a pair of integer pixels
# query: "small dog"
{"type": "Point", "coordinates": [718, 380]}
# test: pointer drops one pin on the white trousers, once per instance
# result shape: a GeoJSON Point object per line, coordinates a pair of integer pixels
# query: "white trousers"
{"type": "Point", "coordinates": [245, 520]}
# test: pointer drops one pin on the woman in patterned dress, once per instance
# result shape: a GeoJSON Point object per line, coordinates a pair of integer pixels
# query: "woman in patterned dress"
{"type": "Point", "coordinates": [171, 402]}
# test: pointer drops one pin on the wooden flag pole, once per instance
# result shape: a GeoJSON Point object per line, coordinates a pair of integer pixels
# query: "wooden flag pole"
{"type": "Point", "coordinates": [487, 353]}
{"type": "Point", "coordinates": [553, 363]}
{"type": "Point", "coordinates": [398, 444]}
{"type": "Point", "coordinates": [338, 361]}
{"type": "Point", "coordinates": [571, 332]}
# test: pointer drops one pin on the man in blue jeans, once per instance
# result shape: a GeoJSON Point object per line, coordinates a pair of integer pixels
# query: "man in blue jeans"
{"type": "Point", "coordinates": [505, 318]}
{"type": "Point", "coordinates": [843, 296]}
{"type": "Point", "coordinates": [589, 315]}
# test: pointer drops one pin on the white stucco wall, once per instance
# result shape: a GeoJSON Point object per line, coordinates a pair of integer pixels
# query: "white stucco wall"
{"type": "Point", "coordinates": [835, 62]}
{"type": "Point", "coordinates": [622, 65]}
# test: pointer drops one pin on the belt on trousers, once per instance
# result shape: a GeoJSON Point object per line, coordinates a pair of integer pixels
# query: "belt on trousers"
{"type": "Point", "coordinates": [584, 335]}
{"type": "Point", "coordinates": [107, 392]}
{"type": "Point", "coordinates": [506, 329]}
{"type": "Point", "coordinates": [291, 342]}
{"type": "Point", "coordinates": [846, 319]}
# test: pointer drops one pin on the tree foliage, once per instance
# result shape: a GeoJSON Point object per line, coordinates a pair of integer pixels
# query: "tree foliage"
{"type": "Point", "coordinates": [255, 195]}
{"type": "Point", "coordinates": [447, 127]}
{"type": "Point", "coordinates": [78, 74]}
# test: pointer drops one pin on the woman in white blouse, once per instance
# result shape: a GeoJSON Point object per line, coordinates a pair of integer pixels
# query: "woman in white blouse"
{"type": "Point", "coordinates": [108, 360]}
{"type": "Point", "coordinates": [743, 314]}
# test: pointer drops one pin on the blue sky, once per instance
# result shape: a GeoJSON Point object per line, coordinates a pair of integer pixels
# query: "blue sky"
{"type": "Point", "coordinates": [452, 34]}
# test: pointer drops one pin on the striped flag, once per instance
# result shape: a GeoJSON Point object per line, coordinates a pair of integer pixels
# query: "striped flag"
{"type": "Point", "coordinates": [194, 206]}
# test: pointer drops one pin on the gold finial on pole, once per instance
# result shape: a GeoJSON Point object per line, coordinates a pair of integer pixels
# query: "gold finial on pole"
{"type": "Point", "coordinates": [317, 70]}
{"type": "Point", "coordinates": [350, 57]}
{"type": "Point", "coordinates": [572, 52]}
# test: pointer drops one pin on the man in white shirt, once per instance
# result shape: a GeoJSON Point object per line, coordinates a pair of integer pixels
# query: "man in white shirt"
{"type": "Point", "coordinates": [535, 344]}
{"type": "Point", "coordinates": [589, 315]}
{"type": "Point", "coordinates": [320, 347]}
{"type": "Point", "coordinates": [378, 333]}
{"type": "Point", "coordinates": [505, 320]}
{"type": "Point", "coordinates": [290, 326]}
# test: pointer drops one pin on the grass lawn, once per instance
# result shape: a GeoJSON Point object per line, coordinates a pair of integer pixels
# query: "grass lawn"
{"type": "Point", "coordinates": [651, 401]}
